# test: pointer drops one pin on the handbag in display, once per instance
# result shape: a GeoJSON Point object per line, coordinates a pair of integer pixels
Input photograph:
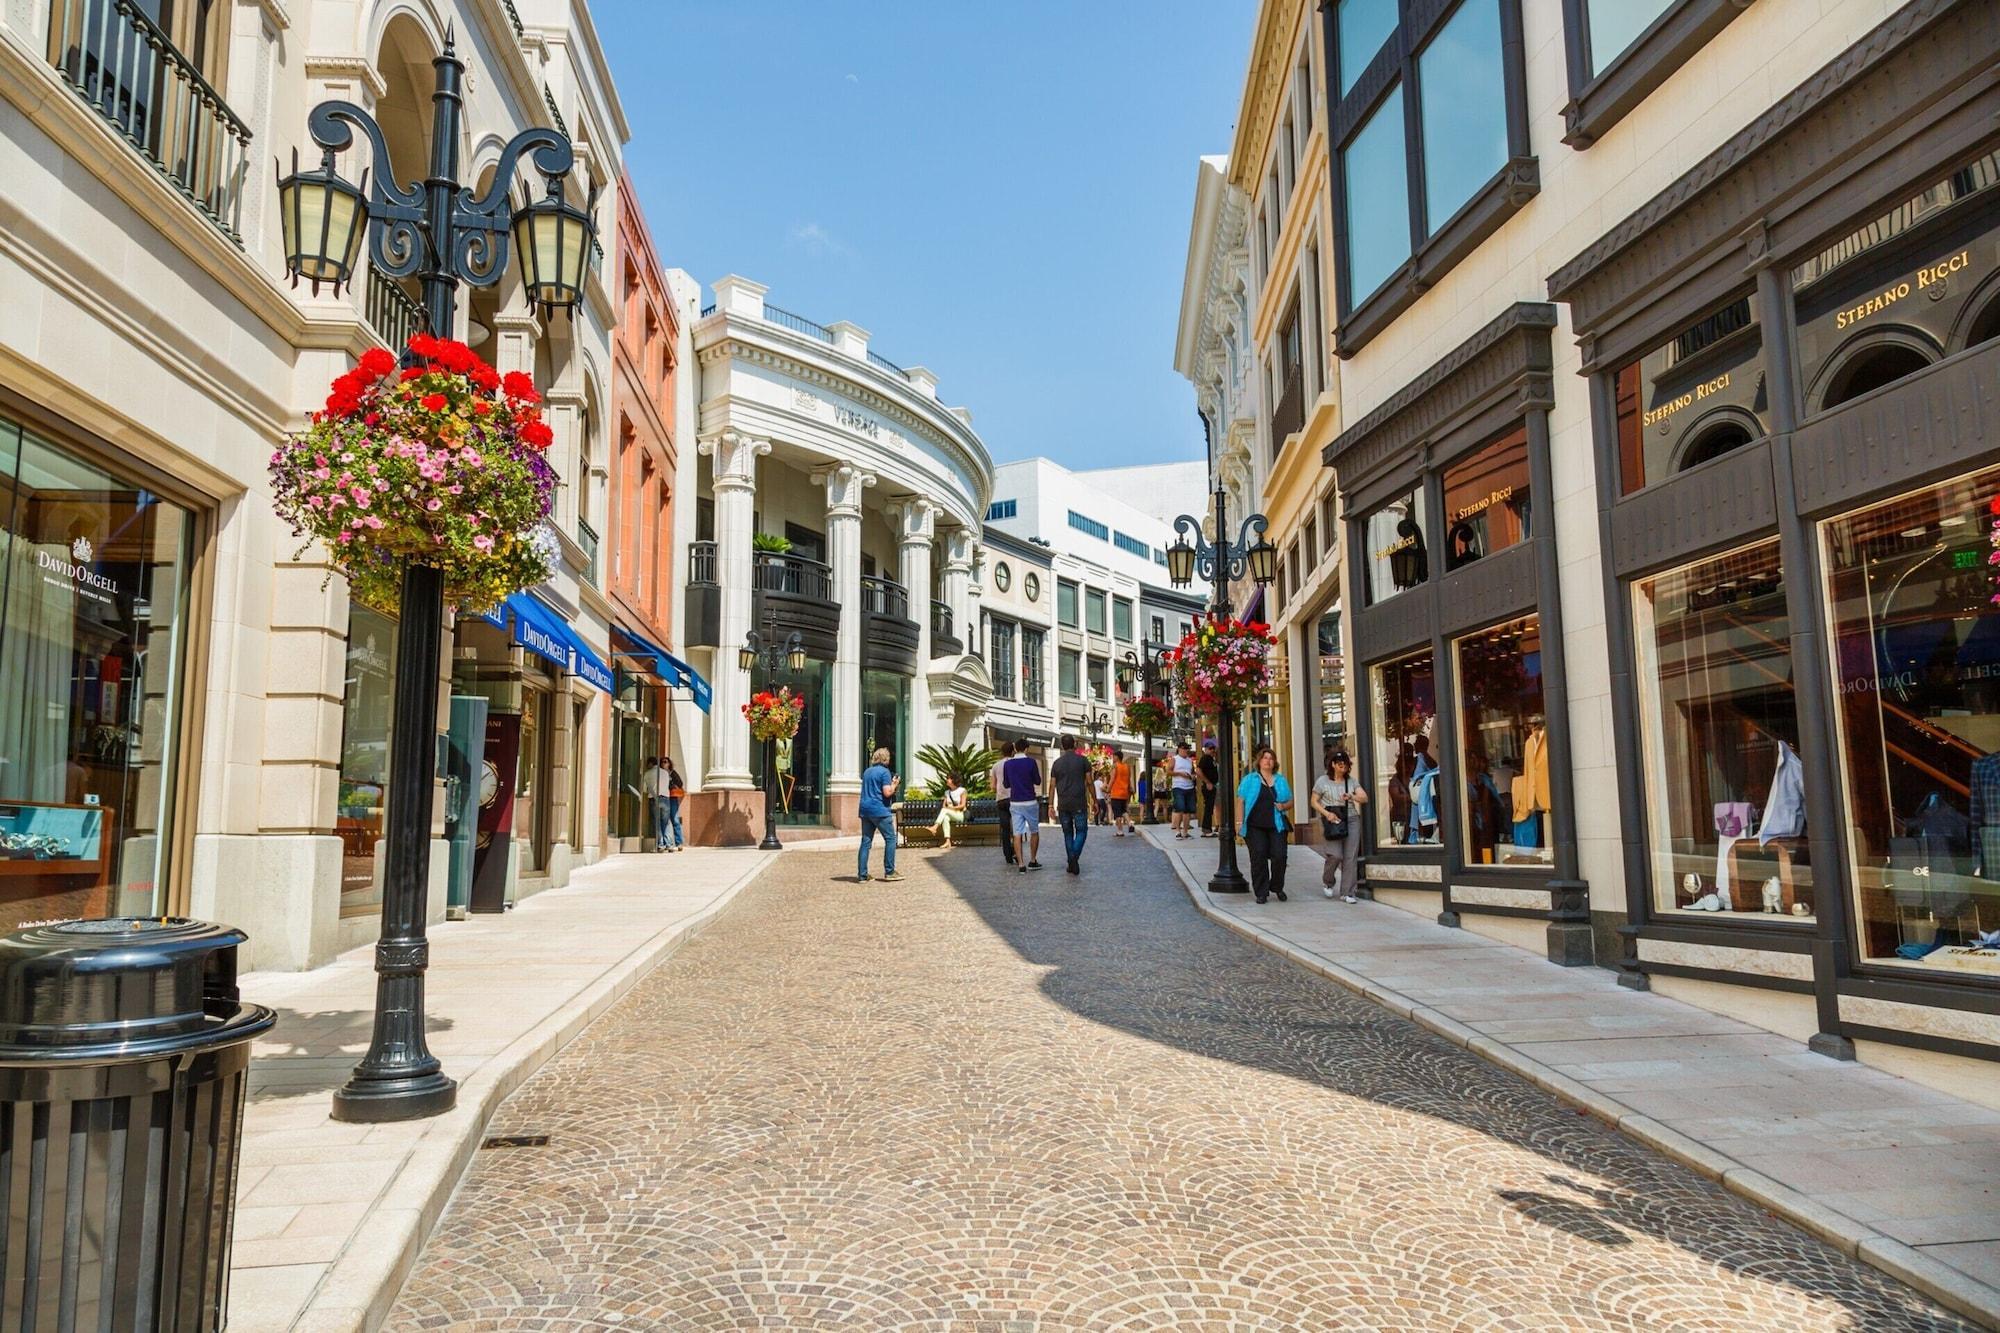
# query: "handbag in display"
{"type": "Point", "coordinates": [1735, 819]}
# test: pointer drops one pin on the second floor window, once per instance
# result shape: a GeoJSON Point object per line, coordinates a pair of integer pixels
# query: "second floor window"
{"type": "Point", "coordinates": [1066, 603]}
{"type": "Point", "coordinates": [1121, 618]}
{"type": "Point", "coordinates": [1034, 649]}
{"type": "Point", "coordinates": [1093, 610]}
{"type": "Point", "coordinates": [1001, 661]}
{"type": "Point", "coordinates": [1069, 668]}
{"type": "Point", "coordinates": [1100, 675]}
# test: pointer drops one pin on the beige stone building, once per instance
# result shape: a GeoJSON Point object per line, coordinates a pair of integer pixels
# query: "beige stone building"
{"type": "Point", "coordinates": [1658, 335]}
{"type": "Point", "coordinates": [195, 720]}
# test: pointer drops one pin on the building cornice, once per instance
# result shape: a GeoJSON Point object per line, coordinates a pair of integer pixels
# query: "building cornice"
{"type": "Point", "coordinates": [1264, 82]}
{"type": "Point", "coordinates": [348, 69]}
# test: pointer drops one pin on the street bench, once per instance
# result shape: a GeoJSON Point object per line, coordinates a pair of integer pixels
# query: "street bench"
{"type": "Point", "coordinates": [986, 821]}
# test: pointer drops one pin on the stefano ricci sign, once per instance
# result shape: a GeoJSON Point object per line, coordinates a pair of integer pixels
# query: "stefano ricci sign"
{"type": "Point", "coordinates": [75, 573]}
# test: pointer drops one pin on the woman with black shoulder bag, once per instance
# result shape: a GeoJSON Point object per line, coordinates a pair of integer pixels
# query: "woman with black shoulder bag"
{"type": "Point", "coordinates": [1337, 799]}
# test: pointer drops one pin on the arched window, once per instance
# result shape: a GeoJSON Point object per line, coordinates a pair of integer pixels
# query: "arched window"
{"type": "Point", "coordinates": [1715, 441]}
{"type": "Point", "coordinates": [1986, 324]}
{"type": "Point", "coordinates": [1871, 367]}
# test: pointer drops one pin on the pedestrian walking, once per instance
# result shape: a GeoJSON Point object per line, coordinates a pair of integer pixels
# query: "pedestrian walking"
{"type": "Point", "coordinates": [1119, 792]}
{"type": "Point", "coordinates": [998, 782]}
{"type": "Point", "coordinates": [1181, 771]}
{"type": "Point", "coordinates": [1337, 799]}
{"type": "Point", "coordinates": [1208, 774]}
{"type": "Point", "coordinates": [1021, 779]}
{"type": "Point", "coordinates": [1100, 790]}
{"type": "Point", "coordinates": [676, 793]}
{"type": "Point", "coordinates": [951, 808]}
{"type": "Point", "coordinates": [1265, 798]}
{"type": "Point", "coordinates": [1070, 778]}
{"type": "Point", "coordinates": [657, 783]}
{"type": "Point", "coordinates": [878, 785]}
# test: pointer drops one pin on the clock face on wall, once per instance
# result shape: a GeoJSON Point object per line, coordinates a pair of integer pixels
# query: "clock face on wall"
{"type": "Point", "coordinates": [489, 783]}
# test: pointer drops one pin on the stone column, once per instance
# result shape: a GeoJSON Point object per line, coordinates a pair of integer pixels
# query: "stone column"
{"type": "Point", "coordinates": [916, 528]}
{"type": "Point", "coordinates": [844, 485]}
{"type": "Point", "coordinates": [733, 457]}
{"type": "Point", "coordinates": [958, 586]}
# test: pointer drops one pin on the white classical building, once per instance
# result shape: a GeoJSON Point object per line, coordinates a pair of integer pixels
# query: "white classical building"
{"type": "Point", "coordinates": [191, 707]}
{"type": "Point", "coordinates": [836, 498]}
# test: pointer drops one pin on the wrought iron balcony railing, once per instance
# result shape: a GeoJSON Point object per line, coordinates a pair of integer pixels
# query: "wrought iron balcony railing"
{"type": "Point", "coordinates": [797, 323]}
{"type": "Point", "coordinates": [124, 65]}
{"type": "Point", "coordinates": [884, 597]}
{"type": "Point", "coordinates": [390, 311]}
{"type": "Point", "coordinates": [795, 575]}
{"type": "Point", "coordinates": [701, 562]}
{"type": "Point", "coordinates": [941, 619]}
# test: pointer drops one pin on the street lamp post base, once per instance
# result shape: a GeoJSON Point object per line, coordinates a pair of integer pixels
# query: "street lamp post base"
{"type": "Point", "coordinates": [1228, 881]}
{"type": "Point", "coordinates": [380, 1101]}
{"type": "Point", "coordinates": [770, 843]}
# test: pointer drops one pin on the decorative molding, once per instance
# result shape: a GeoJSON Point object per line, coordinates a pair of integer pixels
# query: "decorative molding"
{"type": "Point", "coordinates": [844, 484]}
{"type": "Point", "coordinates": [915, 519]}
{"type": "Point", "coordinates": [1898, 76]}
{"type": "Point", "coordinates": [273, 12]}
{"type": "Point", "coordinates": [733, 456]}
{"type": "Point", "coordinates": [348, 69]}
{"type": "Point", "coordinates": [1511, 355]}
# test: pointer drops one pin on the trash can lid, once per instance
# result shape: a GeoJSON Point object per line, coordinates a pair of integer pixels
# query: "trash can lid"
{"type": "Point", "coordinates": [111, 982]}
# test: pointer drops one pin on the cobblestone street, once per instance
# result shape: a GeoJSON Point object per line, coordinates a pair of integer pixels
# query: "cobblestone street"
{"type": "Point", "coordinates": [981, 1100]}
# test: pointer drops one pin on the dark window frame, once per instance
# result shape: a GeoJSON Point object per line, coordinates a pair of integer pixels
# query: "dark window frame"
{"type": "Point", "coordinates": [1433, 252]}
{"type": "Point", "coordinates": [1599, 101]}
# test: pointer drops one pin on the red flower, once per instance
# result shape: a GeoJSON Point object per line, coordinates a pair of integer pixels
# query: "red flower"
{"type": "Point", "coordinates": [485, 376]}
{"type": "Point", "coordinates": [414, 372]}
{"type": "Point", "coordinates": [480, 407]}
{"type": "Point", "coordinates": [435, 402]}
{"type": "Point", "coordinates": [538, 434]}
{"type": "Point", "coordinates": [377, 362]}
{"type": "Point", "coordinates": [520, 386]}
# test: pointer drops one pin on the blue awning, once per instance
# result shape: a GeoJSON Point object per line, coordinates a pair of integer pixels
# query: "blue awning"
{"type": "Point", "coordinates": [542, 631]}
{"type": "Point", "coordinates": [671, 669]}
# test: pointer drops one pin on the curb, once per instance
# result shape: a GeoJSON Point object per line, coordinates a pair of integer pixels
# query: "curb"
{"type": "Point", "coordinates": [360, 1287]}
{"type": "Point", "coordinates": [1948, 1286]}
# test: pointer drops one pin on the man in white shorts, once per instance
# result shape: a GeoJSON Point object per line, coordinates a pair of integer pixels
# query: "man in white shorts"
{"type": "Point", "coordinates": [1020, 778]}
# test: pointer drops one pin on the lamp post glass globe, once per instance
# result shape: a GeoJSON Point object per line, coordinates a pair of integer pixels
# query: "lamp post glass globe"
{"type": "Point", "coordinates": [1180, 563]}
{"type": "Point", "coordinates": [553, 238]}
{"type": "Point", "coordinates": [324, 218]}
{"type": "Point", "coordinates": [1263, 558]}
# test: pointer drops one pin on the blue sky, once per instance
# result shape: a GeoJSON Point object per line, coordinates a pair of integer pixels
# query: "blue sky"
{"type": "Point", "coordinates": [997, 190]}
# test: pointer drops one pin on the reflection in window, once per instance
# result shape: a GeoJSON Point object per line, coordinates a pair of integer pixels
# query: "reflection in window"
{"type": "Point", "coordinates": [93, 596]}
{"type": "Point", "coordinates": [1486, 500]}
{"type": "Point", "coordinates": [1332, 685]}
{"type": "Point", "coordinates": [367, 710]}
{"type": "Point", "coordinates": [1093, 610]}
{"type": "Point", "coordinates": [1000, 659]}
{"type": "Point", "coordinates": [1407, 778]}
{"type": "Point", "coordinates": [1504, 746]}
{"type": "Point", "coordinates": [1616, 24]}
{"type": "Point", "coordinates": [1464, 109]}
{"type": "Point", "coordinates": [1916, 659]}
{"type": "Point", "coordinates": [1725, 791]}
{"type": "Point", "coordinates": [1364, 26]}
{"type": "Point", "coordinates": [1679, 403]}
{"type": "Point", "coordinates": [1375, 177]}
{"type": "Point", "coordinates": [1398, 552]}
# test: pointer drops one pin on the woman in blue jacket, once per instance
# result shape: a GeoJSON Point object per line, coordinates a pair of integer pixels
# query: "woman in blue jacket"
{"type": "Point", "coordinates": [1265, 799]}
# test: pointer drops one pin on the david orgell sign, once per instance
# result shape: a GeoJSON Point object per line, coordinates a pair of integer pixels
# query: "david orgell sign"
{"type": "Point", "coordinates": [75, 574]}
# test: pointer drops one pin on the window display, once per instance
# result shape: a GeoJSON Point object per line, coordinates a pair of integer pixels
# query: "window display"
{"type": "Point", "coordinates": [1486, 500]}
{"type": "Point", "coordinates": [367, 709]}
{"type": "Point", "coordinates": [1407, 777]}
{"type": "Point", "coordinates": [1916, 661]}
{"type": "Point", "coordinates": [1398, 550]}
{"type": "Point", "coordinates": [93, 600]}
{"type": "Point", "coordinates": [1504, 746]}
{"type": "Point", "coordinates": [1695, 397]}
{"type": "Point", "coordinates": [1725, 791]}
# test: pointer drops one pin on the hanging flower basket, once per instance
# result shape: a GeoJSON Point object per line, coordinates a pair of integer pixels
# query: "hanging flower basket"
{"type": "Point", "coordinates": [774, 715]}
{"type": "Point", "coordinates": [1148, 715]}
{"type": "Point", "coordinates": [1221, 664]}
{"type": "Point", "coordinates": [440, 462]}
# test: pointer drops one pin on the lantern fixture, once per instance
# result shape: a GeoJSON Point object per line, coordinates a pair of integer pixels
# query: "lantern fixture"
{"type": "Point", "coordinates": [1263, 559]}
{"type": "Point", "coordinates": [795, 656]}
{"type": "Point", "coordinates": [324, 217]}
{"type": "Point", "coordinates": [746, 657]}
{"type": "Point", "coordinates": [554, 238]}
{"type": "Point", "coordinates": [1180, 563]}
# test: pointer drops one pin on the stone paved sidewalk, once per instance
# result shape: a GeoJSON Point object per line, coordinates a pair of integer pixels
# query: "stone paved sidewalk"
{"type": "Point", "coordinates": [330, 1216]}
{"type": "Point", "coordinates": [1904, 1177]}
{"type": "Point", "coordinates": [984, 1102]}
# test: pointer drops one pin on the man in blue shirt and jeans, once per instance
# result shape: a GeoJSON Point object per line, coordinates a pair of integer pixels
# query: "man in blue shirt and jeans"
{"type": "Point", "coordinates": [878, 784]}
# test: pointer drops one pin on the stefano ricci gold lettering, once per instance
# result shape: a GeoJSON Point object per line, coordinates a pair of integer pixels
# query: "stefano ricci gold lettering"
{"type": "Point", "coordinates": [1688, 399]}
{"type": "Point", "coordinates": [1926, 276]}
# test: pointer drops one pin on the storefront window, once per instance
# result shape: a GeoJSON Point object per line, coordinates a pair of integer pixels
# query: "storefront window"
{"type": "Point", "coordinates": [1407, 778]}
{"type": "Point", "coordinates": [93, 598]}
{"type": "Point", "coordinates": [1916, 659]}
{"type": "Point", "coordinates": [1725, 791]}
{"type": "Point", "coordinates": [1904, 291]}
{"type": "Point", "coordinates": [801, 761]}
{"type": "Point", "coordinates": [885, 717]}
{"type": "Point", "coordinates": [1332, 686]}
{"type": "Point", "coordinates": [1695, 397]}
{"type": "Point", "coordinates": [1486, 500]}
{"type": "Point", "coordinates": [1398, 548]}
{"type": "Point", "coordinates": [367, 707]}
{"type": "Point", "coordinates": [1504, 746]}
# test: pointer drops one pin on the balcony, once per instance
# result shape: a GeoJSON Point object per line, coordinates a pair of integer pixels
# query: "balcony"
{"type": "Point", "coordinates": [124, 65]}
{"type": "Point", "coordinates": [701, 600]}
{"type": "Point", "coordinates": [390, 311]}
{"type": "Point", "coordinates": [888, 636]}
{"type": "Point", "coordinates": [944, 642]}
{"type": "Point", "coordinates": [1288, 418]}
{"type": "Point", "coordinates": [793, 576]}
{"type": "Point", "coordinates": [587, 541]}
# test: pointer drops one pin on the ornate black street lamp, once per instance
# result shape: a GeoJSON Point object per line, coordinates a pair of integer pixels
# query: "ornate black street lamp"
{"type": "Point", "coordinates": [1219, 562]}
{"type": "Point", "coordinates": [444, 234]}
{"type": "Point", "coordinates": [1152, 679]}
{"type": "Point", "coordinates": [774, 656]}
{"type": "Point", "coordinates": [1095, 723]}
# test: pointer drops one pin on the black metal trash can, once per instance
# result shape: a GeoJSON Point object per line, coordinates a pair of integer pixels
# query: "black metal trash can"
{"type": "Point", "coordinates": [123, 1054]}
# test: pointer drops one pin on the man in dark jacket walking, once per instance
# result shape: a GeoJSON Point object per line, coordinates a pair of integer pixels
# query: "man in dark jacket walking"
{"type": "Point", "coordinates": [1070, 776]}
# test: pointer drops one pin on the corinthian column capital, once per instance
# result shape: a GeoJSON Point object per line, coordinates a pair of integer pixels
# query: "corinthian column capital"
{"type": "Point", "coordinates": [844, 484]}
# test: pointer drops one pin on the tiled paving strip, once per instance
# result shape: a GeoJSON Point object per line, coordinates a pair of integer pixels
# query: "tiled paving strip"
{"type": "Point", "coordinates": [331, 1216]}
{"type": "Point", "coordinates": [1725, 1082]}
